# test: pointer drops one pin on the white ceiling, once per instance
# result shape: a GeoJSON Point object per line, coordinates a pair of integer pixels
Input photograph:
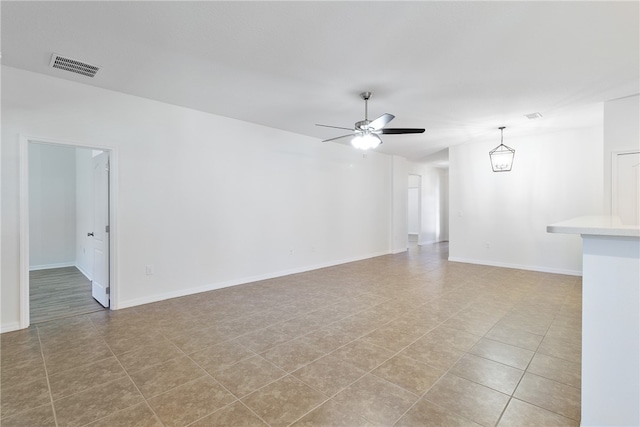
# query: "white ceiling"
{"type": "Point", "coordinates": [459, 69]}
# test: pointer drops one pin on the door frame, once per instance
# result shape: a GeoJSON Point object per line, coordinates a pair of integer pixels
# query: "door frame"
{"type": "Point", "coordinates": [25, 140]}
{"type": "Point", "coordinates": [614, 172]}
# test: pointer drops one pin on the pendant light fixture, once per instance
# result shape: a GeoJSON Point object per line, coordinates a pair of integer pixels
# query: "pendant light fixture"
{"type": "Point", "coordinates": [502, 156]}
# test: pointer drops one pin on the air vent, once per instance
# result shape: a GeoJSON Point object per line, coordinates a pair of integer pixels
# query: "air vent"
{"type": "Point", "coordinates": [73, 65]}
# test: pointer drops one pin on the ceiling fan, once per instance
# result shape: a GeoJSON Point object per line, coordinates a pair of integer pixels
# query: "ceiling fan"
{"type": "Point", "coordinates": [365, 132]}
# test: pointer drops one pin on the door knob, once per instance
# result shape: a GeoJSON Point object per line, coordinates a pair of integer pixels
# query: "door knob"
{"type": "Point", "coordinates": [90, 234]}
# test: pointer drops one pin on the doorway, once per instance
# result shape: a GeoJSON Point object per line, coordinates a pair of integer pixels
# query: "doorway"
{"type": "Point", "coordinates": [65, 213]}
{"type": "Point", "coordinates": [414, 210]}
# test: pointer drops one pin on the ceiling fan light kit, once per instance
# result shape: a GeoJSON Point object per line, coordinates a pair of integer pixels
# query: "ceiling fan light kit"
{"type": "Point", "coordinates": [364, 134]}
{"type": "Point", "coordinates": [502, 156]}
{"type": "Point", "coordinates": [366, 141]}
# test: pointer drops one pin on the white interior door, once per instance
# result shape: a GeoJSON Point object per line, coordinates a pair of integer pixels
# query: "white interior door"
{"type": "Point", "coordinates": [100, 282]}
{"type": "Point", "coordinates": [626, 191]}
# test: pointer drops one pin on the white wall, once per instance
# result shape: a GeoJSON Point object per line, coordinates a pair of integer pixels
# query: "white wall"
{"type": "Point", "coordinates": [434, 198]}
{"type": "Point", "coordinates": [209, 201]}
{"type": "Point", "coordinates": [84, 211]}
{"type": "Point", "coordinates": [621, 133]}
{"type": "Point", "coordinates": [501, 218]}
{"type": "Point", "coordinates": [52, 201]}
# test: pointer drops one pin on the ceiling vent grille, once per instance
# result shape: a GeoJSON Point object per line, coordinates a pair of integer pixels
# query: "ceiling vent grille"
{"type": "Point", "coordinates": [73, 65]}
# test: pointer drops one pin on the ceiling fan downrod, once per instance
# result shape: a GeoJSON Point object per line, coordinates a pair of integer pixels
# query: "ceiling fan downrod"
{"type": "Point", "coordinates": [364, 124]}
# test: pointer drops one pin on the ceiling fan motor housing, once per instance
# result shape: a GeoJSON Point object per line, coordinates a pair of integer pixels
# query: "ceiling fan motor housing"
{"type": "Point", "coordinates": [362, 124]}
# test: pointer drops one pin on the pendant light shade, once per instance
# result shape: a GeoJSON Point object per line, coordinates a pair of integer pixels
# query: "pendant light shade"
{"type": "Point", "coordinates": [366, 141]}
{"type": "Point", "coordinates": [502, 156]}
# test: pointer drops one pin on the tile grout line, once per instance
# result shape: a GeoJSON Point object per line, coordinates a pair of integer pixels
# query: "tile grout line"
{"type": "Point", "coordinates": [46, 373]}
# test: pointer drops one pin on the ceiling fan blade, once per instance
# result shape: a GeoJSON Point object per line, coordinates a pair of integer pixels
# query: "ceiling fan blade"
{"type": "Point", "coordinates": [398, 131]}
{"type": "Point", "coordinates": [338, 137]}
{"type": "Point", "coordinates": [381, 121]}
{"type": "Point", "coordinates": [335, 127]}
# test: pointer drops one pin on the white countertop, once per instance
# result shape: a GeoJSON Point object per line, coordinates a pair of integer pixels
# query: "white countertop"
{"type": "Point", "coordinates": [604, 225]}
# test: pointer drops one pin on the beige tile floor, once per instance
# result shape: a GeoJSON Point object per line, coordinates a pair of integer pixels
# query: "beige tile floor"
{"type": "Point", "coordinates": [406, 340]}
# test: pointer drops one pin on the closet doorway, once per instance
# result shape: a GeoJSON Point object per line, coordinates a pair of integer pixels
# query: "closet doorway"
{"type": "Point", "coordinates": [67, 260]}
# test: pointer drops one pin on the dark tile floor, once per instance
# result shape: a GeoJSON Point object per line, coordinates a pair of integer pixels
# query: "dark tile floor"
{"type": "Point", "coordinates": [408, 340]}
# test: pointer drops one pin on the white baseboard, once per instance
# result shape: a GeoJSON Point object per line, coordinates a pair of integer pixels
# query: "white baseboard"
{"type": "Point", "coordinates": [82, 270]}
{"type": "Point", "coordinates": [399, 251]}
{"type": "Point", "coordinates": [235, 282]}
{"type": "Point", "coordinates": [48, 266]}
{"type": "Point", "coordinates": [517, 266]}
{"type": "Point", "coordinates": [9, 327]}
